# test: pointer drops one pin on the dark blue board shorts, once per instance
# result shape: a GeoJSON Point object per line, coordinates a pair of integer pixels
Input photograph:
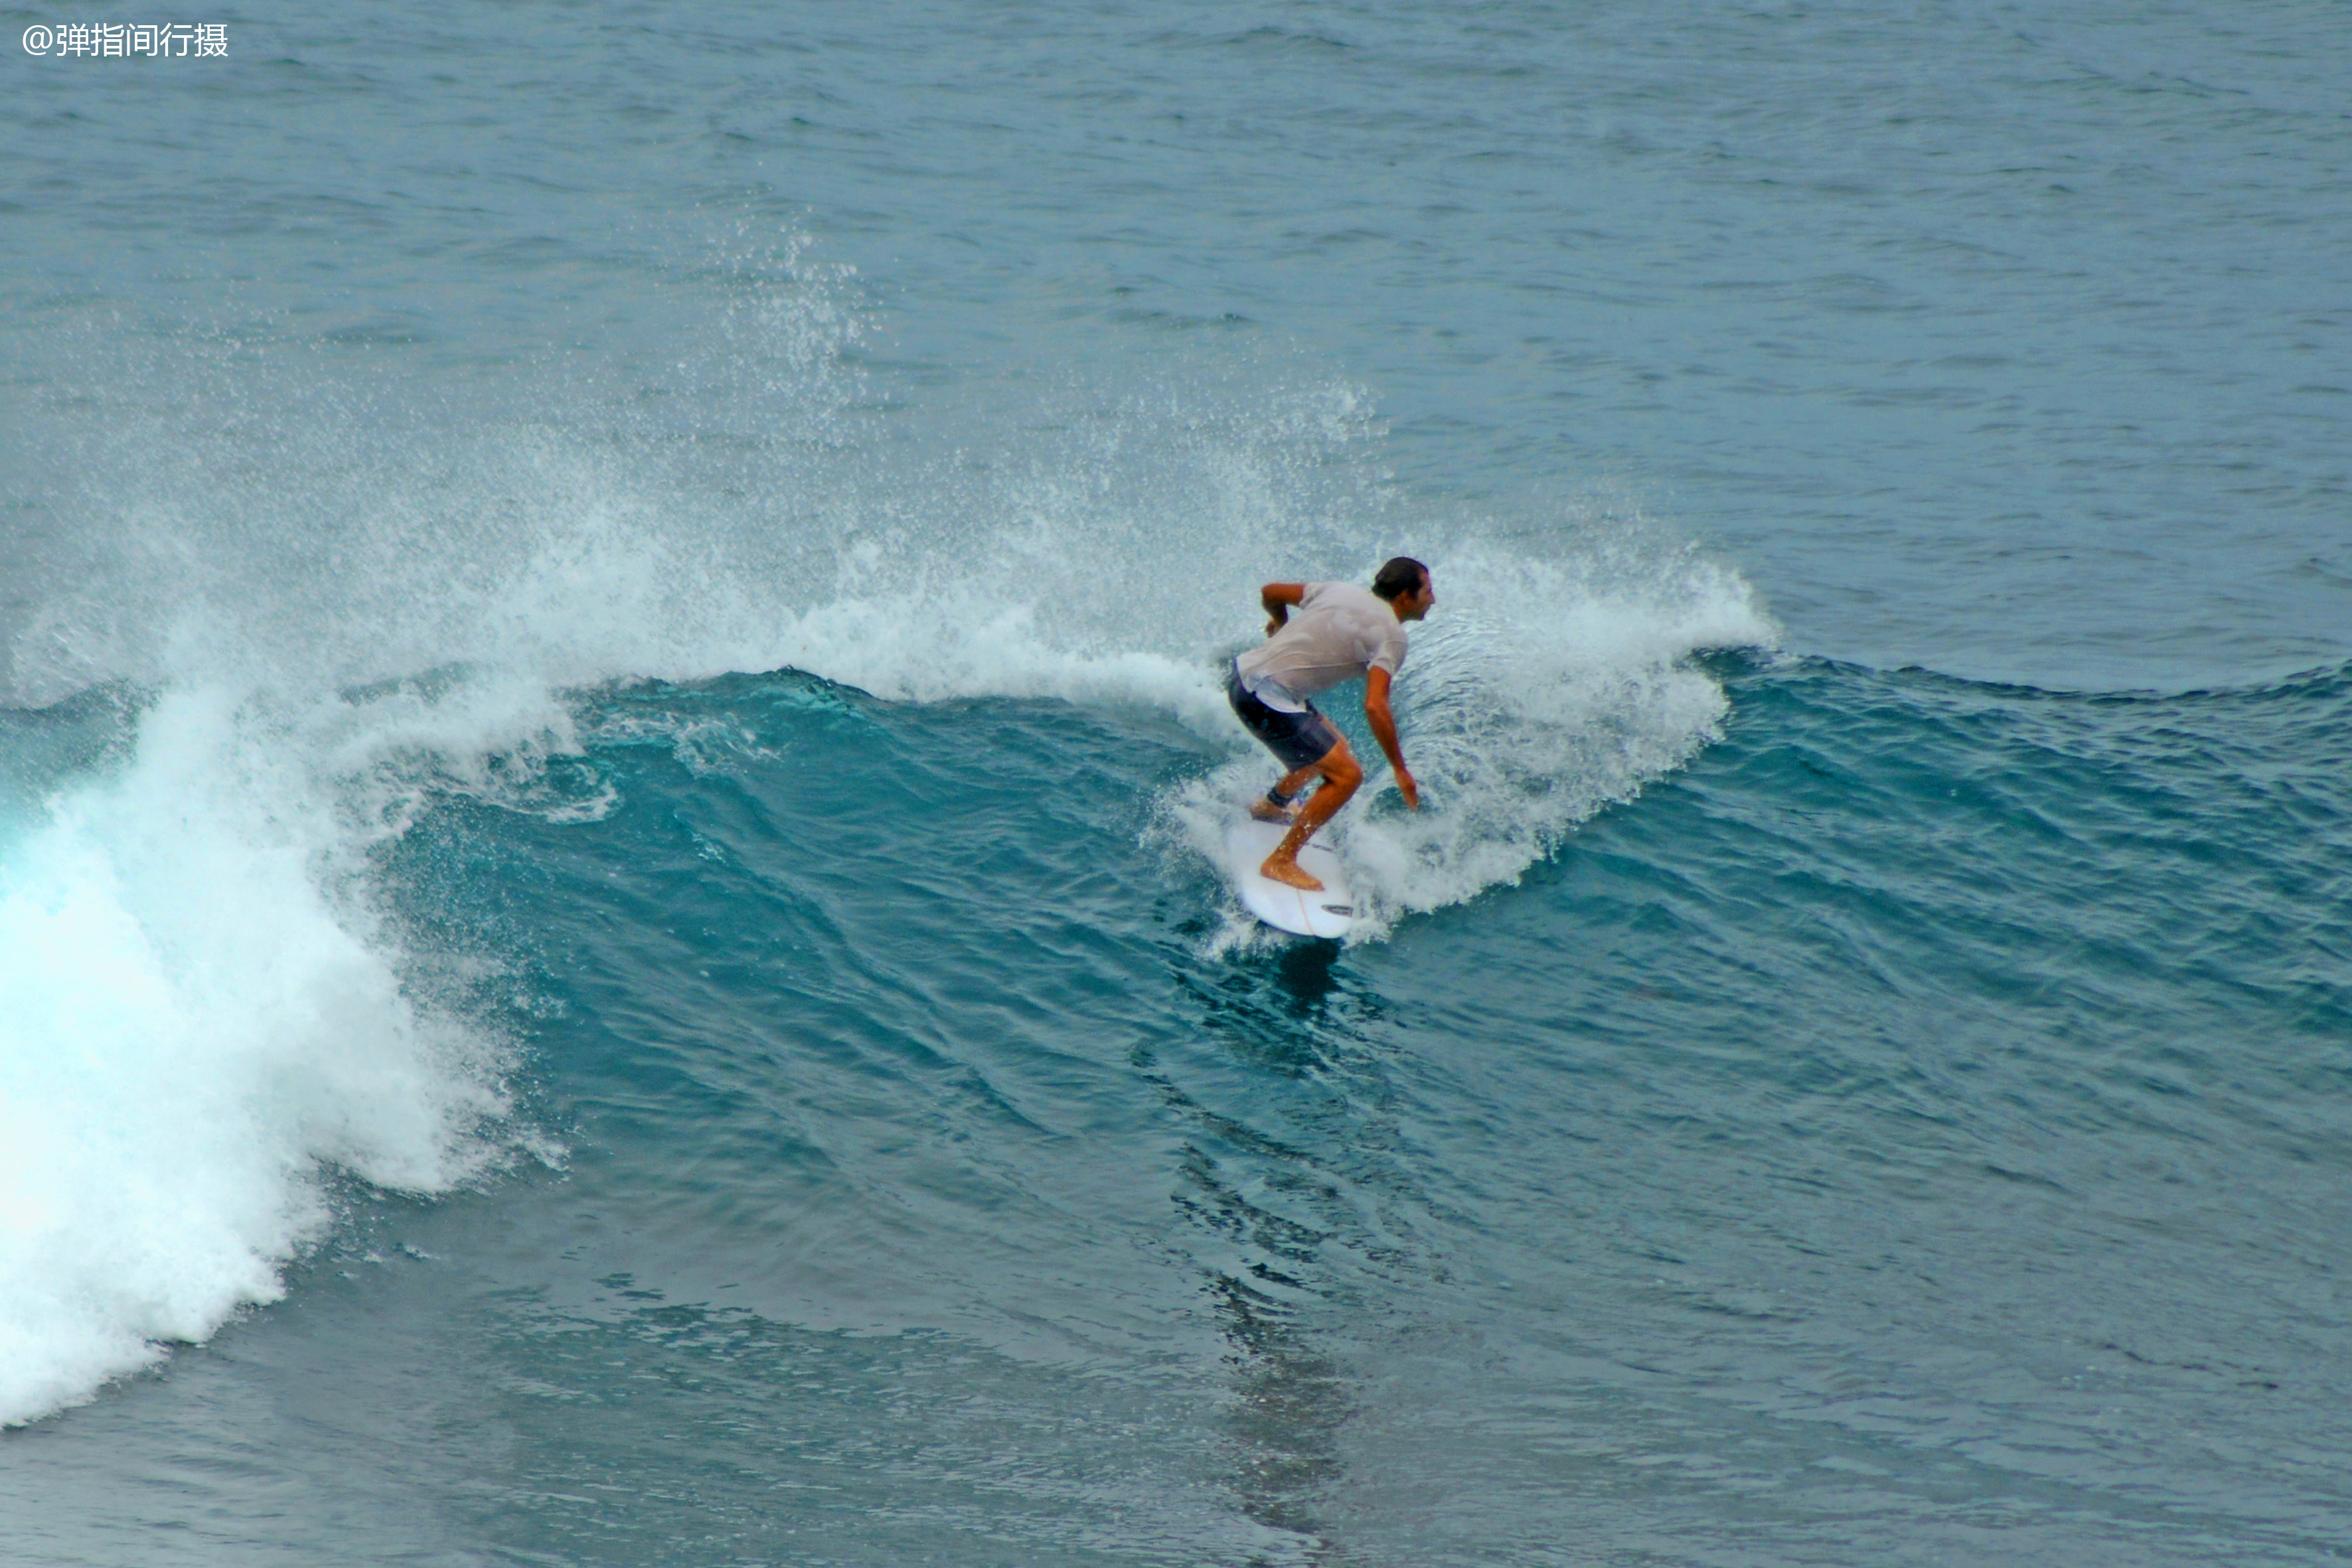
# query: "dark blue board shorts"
{"type": "Point", "coordinates": [1297, 740]}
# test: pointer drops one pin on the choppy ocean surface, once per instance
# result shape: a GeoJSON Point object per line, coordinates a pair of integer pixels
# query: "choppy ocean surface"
{"type": "Point", "coordinates": [609, 626]}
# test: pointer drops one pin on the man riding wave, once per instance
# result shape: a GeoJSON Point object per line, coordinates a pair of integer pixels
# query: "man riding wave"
{"type": "Point", "coordinates": [1338, 633]}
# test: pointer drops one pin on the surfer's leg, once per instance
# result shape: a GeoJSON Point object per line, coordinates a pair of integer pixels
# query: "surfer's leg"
{"type": "Point", "coordinates": [1297, 741]}
{"type": "Point", "coordinates": [1341, 775]}
{"type": "Point", "coordinates": [1278, 801]}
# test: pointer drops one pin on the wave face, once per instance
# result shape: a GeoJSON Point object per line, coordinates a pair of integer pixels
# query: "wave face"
{"type": "Point", "coordinates": [610, 726]}
{"type": "Point", "coordinates": [916, 1093]}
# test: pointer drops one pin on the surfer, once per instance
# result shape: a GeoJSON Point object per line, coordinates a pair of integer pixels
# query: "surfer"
{"type": "Point", "coordinates": [1339, 633]}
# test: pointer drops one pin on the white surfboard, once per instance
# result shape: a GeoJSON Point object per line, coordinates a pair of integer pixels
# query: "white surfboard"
{"type": "Point", "coordinates": [1327, 913]}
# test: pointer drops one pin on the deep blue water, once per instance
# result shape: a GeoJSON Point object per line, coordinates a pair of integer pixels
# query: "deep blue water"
{"type": "Point", "coordinates": [609, 621]}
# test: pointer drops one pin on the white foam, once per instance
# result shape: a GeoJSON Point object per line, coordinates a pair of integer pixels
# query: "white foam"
{"type": "Point", "coordinates": [192, 1023]}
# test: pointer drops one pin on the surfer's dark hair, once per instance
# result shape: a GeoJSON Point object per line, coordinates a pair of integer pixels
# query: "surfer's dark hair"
{"type": "Point", "coordinates": [1403, 575]}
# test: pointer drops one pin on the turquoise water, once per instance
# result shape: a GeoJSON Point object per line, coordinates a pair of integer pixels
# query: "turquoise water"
{"type": "Point", "coordinates": [610, 625]}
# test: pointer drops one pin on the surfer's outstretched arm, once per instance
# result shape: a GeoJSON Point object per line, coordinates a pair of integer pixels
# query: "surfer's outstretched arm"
{"type": "Point", "coordinates": [1383, 722]}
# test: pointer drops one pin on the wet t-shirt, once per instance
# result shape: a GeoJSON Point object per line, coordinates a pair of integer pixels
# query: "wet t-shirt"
{"type": "Point", "coordinates": [1336, 633]}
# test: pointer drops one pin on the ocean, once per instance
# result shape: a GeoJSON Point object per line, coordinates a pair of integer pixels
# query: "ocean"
{"type": "Point", "coordinates": [611, 748]}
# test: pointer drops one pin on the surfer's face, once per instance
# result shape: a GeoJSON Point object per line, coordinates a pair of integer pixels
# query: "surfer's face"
{"type": "Point", "coordinates": [1412, 606]}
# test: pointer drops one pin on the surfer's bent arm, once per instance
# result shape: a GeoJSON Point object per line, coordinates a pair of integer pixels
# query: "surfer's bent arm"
{"type": "Point", "coordinates": [1383, 722]}
{"type": "Point", "coordinates": [1277, 598]}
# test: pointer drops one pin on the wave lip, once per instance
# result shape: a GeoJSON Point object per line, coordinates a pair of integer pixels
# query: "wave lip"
{"type": "Point", "coordinates": [193, 1025]}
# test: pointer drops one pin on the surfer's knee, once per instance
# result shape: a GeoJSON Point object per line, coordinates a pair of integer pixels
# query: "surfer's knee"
{"type": "Point", "coordinates": [1341, 769]}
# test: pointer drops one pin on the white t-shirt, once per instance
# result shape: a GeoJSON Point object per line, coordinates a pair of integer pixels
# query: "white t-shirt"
{"type": "Point", "coordinates": [1338, 632]}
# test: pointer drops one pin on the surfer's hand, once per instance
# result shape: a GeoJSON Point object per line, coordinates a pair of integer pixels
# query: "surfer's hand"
{"type": "Point", "coordinates": [1274, 624]}
{"type": "Point", "coordinates": [1407, 788]}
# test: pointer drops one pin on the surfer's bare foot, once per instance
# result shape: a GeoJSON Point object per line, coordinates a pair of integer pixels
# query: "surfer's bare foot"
{"type": "Point", "coordinates": [1267, 811]}
{"type": "Point", "coordinates": [1289, 873]}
